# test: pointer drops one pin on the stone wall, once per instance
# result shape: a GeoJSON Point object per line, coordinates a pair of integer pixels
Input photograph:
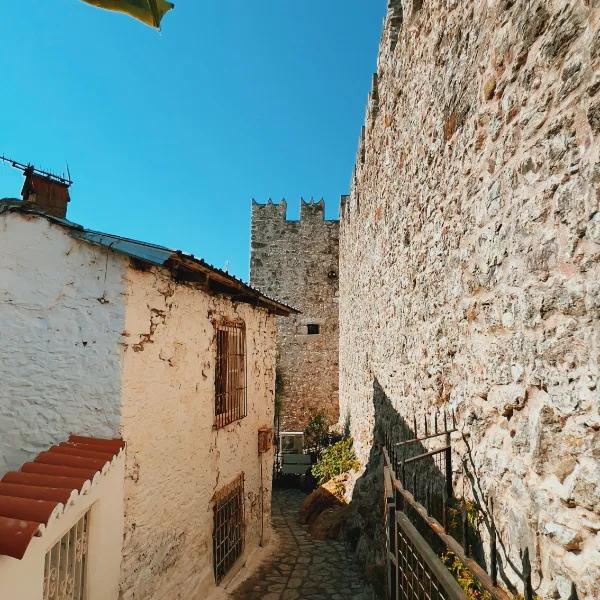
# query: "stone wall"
{"type": "Point", "coordinates": [176, 459]}
{"type": "Point", "coordinates": [469, 272]}
{"type": "Point", "coordinates": [61, 318]}
{"type": "Point", "coordinates": [297, 263]}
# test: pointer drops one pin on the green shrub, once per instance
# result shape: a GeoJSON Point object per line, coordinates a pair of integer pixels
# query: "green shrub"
{"type": "Point", "coordinates": [467, 581]}
{"type": "Point", "coordinates": [316, 434]}
{"type": "Point", "coordinates": [337, 459]}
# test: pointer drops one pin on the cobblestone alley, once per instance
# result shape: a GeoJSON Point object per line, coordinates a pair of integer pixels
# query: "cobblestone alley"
{"type": "Point", "coordinates": [302, 568]}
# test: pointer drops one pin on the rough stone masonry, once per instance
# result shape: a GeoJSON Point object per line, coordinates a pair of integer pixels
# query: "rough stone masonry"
{"type": "Point", "coordinates": [297, 262]}
{"type": "Point", "coordinates": [470, 261]}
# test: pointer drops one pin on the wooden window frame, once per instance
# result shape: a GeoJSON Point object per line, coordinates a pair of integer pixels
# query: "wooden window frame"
{"type": "Point", "coordinates": [231, 372]}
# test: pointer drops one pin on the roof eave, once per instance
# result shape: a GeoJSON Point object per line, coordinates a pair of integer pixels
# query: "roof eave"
{"type": "Point", "coordinates": [216, 282]}
{"type": "Point", "coordinates": [180, 265]}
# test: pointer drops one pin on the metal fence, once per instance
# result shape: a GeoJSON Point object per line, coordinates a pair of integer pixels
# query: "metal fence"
{"type": "Point", "coordinates": [431, 521]}
{"type": "Point", "coordinates": [426, 521]}
{"type": "Point", "coordinates": [65, 564]}
{"type": "Point", "coordinates": [415, 572]}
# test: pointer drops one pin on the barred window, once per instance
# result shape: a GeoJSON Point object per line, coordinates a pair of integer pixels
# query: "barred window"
{"type": "Point", "coordinates": [64, 569]}
{"type": "Point", "coordinates": [230, 373]}
{"type": "Point", "coordinates": [228, 528]}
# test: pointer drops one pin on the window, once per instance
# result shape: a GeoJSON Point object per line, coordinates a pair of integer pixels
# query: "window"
{"type": "Point", "coordinates": [64, 569]}
{"type": "Point", "coordinates": [292, 441]}
{"type": "Point", "coordinates": [230, 373]}
{"type": "Point", "coordinates": [228, 528]}
{"type": "Point", "coordinates": [313, 329]}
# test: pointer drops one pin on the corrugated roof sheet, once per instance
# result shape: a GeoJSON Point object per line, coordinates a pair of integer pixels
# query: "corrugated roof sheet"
{"type": "Point", "coordinates": [154, 254]}
{"type": "Point", "coordinates": [157, 255]}
{"type": "Point", "coordinates": [45, 488]}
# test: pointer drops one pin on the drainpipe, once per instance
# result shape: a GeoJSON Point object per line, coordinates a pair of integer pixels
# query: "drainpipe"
{"type": "Point", "coordinates": [262, 503]}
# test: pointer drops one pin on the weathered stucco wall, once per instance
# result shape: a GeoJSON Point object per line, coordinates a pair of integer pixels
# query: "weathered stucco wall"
{"type": "Point", "coordinates": [470, 249]}
{"type": "Point", "coordinates": [61, 316]}
{"type": "Point", "coordinates": [297, 263]}
{"type": "Point", "coordinates": [176, 461]}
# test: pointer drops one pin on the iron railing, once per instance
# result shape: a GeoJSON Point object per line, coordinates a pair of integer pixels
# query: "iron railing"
{"type": "Point", "coordinates": [421, 478]}
{"type": "Point", "coordinates": [420, 464]}
{"type": "Point", "coordinates": [65, 564]}
{"type": "Point", "coordinates": [414, 571]}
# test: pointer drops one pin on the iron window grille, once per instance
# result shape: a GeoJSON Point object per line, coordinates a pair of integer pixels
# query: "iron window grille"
{"type": "Point", "coordinates": [65, 564]}
{"type": "Point", "coordinates": [228, 528]}
{"type": "Point", "coordinates": [230, 373]}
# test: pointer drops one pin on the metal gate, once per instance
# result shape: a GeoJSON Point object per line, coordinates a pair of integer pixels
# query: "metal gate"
{"type": "Point", "coordinates": [419, 497]}
{"type": "Point", "coordinates": [414, 570]}
{"type": "Point", "coordinates": [419, 503]}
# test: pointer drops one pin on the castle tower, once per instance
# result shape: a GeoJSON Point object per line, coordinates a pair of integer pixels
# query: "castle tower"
{"type": "Point", "coordinates": [297, 263]}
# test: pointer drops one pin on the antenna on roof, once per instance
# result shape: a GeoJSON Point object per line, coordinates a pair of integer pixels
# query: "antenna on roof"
{"type": "Point", "coordinates": [31, 170]}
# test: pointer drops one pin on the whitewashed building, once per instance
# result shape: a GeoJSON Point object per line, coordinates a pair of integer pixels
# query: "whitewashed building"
{"type": "Point", "coordinates": [114, 338]}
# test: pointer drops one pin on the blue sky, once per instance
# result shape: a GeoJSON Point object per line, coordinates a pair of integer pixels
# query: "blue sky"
{"type": "Point", "coordinates": [170, 135]}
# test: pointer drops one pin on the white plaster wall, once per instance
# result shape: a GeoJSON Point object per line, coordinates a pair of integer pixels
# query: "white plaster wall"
{"type": "Point", "coordinates": [61, 318]}
{"type": "Point", "coordinates": [176, 461]}
{"type": "Point", "coordinates": [24, 579]}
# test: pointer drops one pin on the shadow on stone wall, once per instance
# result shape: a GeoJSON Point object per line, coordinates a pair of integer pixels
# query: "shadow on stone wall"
{"type": "Point", "coordinates": [364, 531]}
{"type": "Point", "coordinates": [485, 523]}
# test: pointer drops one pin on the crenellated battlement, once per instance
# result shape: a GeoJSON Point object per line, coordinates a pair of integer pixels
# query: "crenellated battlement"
{"type": "Point", "coordinates": [275, 210]}
{"type": "Point", "coordinates": [310, 210]}
{"type": "Point", "coordinates": [393, 21]}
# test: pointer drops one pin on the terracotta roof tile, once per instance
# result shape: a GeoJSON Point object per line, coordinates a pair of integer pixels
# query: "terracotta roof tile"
{"type": "Point", "coordinates": [27, 509]}
{"type": "Point", "coordinates": [66, 483]}
{"type": "Point", "coordinates": [15, 535]}
{"type": "Point", "coordinates": [30, 497]}
{"type": "Point", "coordinates": [102, 455]}
{"type": "Point", "coordinates": [36, 492]}
{"type": "Point", "coordinates": [52, 457]}
{"type": "Point", "coordinates": [61, 471]}
{"type": "Point", "coordinates": [114, 445]}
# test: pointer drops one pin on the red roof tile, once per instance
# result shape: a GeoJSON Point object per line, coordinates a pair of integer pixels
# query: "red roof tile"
{"type": "Point", "coordinates": [35, 492]}
{"type": "Point", "coordinates": [15, 536]}
{"type": "Point", "coordinates": [52, 457]}
{"type": "Point", "coordinates": [61, 471]}
{"type": "Point", "coordinates": [27, 509]}
{"type": "Point", "coordinates": [31, 496]}
{"type": "Point", "coordinates": [66, 483]}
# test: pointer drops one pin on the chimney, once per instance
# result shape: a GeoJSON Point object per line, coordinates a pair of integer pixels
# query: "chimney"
{"type": "Point", "coordinates": [46, 194]}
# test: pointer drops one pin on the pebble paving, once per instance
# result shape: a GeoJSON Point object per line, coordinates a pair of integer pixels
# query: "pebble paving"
{"type": "Point", "coordinates": [302, 568]}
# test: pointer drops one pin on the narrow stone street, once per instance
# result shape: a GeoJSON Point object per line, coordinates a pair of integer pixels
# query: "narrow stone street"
{"type": "Point", "coordinates": [302, 568]}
